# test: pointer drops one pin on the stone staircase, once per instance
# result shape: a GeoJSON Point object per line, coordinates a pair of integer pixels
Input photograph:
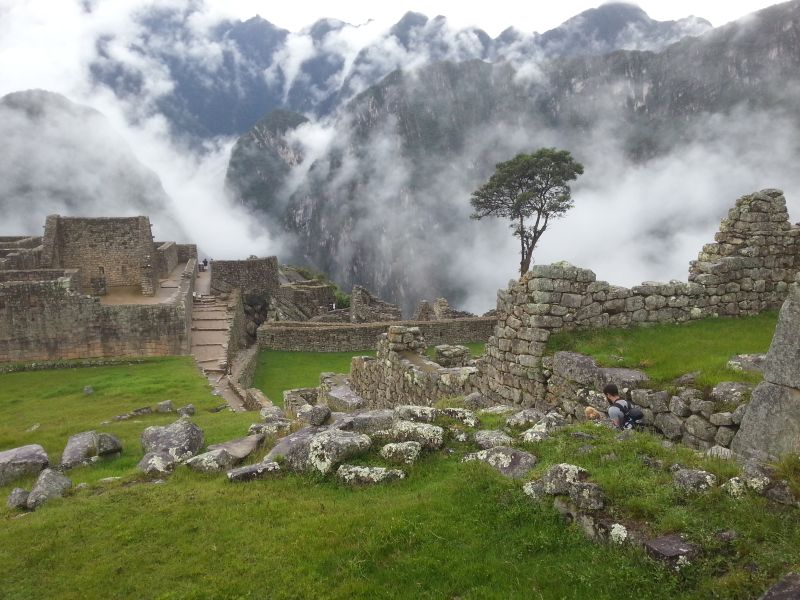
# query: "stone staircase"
{"type": "Point", "coordinates": [211, 321]}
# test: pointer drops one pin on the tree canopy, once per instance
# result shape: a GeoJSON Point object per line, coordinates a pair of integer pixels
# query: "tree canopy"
{"type": "Point", "coordinates": [529, 189]}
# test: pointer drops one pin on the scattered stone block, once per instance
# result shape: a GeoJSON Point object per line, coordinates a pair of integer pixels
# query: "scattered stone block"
{"type": "Point", "coordinates": [693, 480]}
{"type": "Point", "coordinates": [525, 418]}
{"type": "Point", "coordinates": [532, 436]}
{"type": "Point", "coordinates": [420, 414]}
{"type": "Point", "coordinates": [735, 487]}
{"type": "Point", "coordinates": [50, 484]}
{"type": "Point", "coordinates": [271, 413]}
{"type": "Point", "coordinates": [261, 470]}
{"type": "Point", "coordinates": [86, 447]}
{"type": "Point", "coordinates": [314, 415]}
{"type": "Point", "coordinates": [401, 452]}
{"type": "Point", "coordinates": [467, 417]}
{"type": "Point", "coordinates": [430, 436]}
{"type": "Point", "coordinates": [329, 448]}
{"type": "Point", "coordinates": [181, 439]}
{"type": "Point", "coordinates": [490, 438]}
{"type": "Point", "coordinates": [88, 390]}
{"type": "Point", "coordinates": [157, 463]}
{"type": "Point", "coordinates": [187, 411]}
{"type": "Point", "coordinates": [787, 588]}
{"type": "Point", "coordinates": [240, 448]}
{"type": "Point", "coordinates": [212, 461]}
{"type": "Point", "coordinates": [18, 499]}
{"type": "Point", "coordinates": [671, 549]}
{"type": "Point", "coordinates": [272, 428]}
{"type": "Point", "coordinates": [18, 462]}
{"type": "Point", "coordinates": [559, 478]}
{"type": "Point", "coordinates": [355, 475]}
{"type": "Point", "coordinates": [476, 401]}
{"type": "Point", "coordinates": [780, 492]}
{"type": "Point", "coordinates": [509, 461]}
{"type": "Point", "coordinates": [165, 407]}
{"type": "Point", "coordinates": [368, 421]}
{"type": "Point", "coordinates": [586, 496]}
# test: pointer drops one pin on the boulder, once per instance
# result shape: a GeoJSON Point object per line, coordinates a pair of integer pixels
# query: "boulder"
{"type": "Point", "coordinates": [157, 463]}
{"type": "Point", "coordinates": [271, 413]}
{"type": "Point", "coordinates": [368, 421]}
{"type": "Point", "coordinates": [430, 436]}
{"type": "Point", "coordinates": [212, 461]}
{"type": "Point", "coordinates": [18, 462]}
{"type": "Point", "coordinates": [700, 428]}
{"type": "Point", "coordinates": [260, 470]}
{"type": "Point", "coordinates": [165, 407]}
{"type": "Point", "coordinates": [787, 588]}
{"type": "Point", "coordinates": [560, 478]}
{"type": "Point", "coordinates": [18, 499]}
{"type": "Point", "coordinates": [549, 423]}
{"type": "Point", "coordinates": [781, 492]}
{"type": "Point", "coordinates": [735, 487]}
{"type": "Point", "coordinates": [525, 418]}
{"type": "Point", "coordinates": [294, 448]}
{"type": "Point", "coordinates": [272, 428]}
{"type": "Point", "coordinates": [85, 447]}
{"type": "Point", "coordinates": [467, 417]}
{"type": "Point", "coordinates": [401, 452]}
{"type": "Point", "coordinates": [50, 484]}
{"type": "Point", "coordinates": [181, 439]}
{"type": "Point", "coordinates": [420, 414]}
{"type": "Point", "coordinates": [694, 481]}
{"type": "Point", "coordinates": [329, 448]}
{"type": "Point", "coordinates": [747, 362]}
{"type": "Point", "coordinates": [241, 448]}
{"type": "Point", "coordinates": [532, 436]}
{"type": "Point", "coordinates": [771, 426]}
{"type": "Point", "coordinates": [586, 496]}
{"type": "Point", "coordinates": [314, 414]}
{"type": "Point", "coordinates": [509, 461]}
{"type": "Point", "coordinates": [731, 392]}
{"type": "Point", "coordinates": [491, 438]}
{"type": "Point", "coordinates": [784, 351]}
{"type": "Point", "coordinates": [755, 476]}
{"type": "Point", "coordinates": [500, 409]}
{"type": "Point", "coordinates": [355, 475]}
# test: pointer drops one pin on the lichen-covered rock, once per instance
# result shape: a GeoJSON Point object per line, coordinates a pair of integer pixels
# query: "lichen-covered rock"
{"type": "Point", "coordinates": [787, 588]}
{"type": "Point", "coordinates": [367, 421]}
{"type": "Point", "coordinates": [755, 476]}
{"type": "Point", "coordinates": [401, 452]}
{"type": "Point", "coordinates": [18, 499]}
{"type": "Point", "coordinates": [532, 437]}
{"type": "Point", "coordinates": [549, 423]}
{"type": "Point", "coordinates": [212, 461]}
{"type": "Point", "coordinates": [181, 439]}
{"type": "Point", "coordinates": [260, 470]}
{"type": "Point", "coordinates": [509, 461]}
{"type": "Point", "coordinates": [50, 484]}
{"type": "Point", "coordinates": [747, 362]}
{"type": "Point", "coordinates": [586, 496]}
{"type": "Point", "coordinates": [771, 426]}
{"type": "Point", "coordinates": [735, 487]}
{"type": "Point", "coordinates": [534, 489]}
{"type": "Point", "coordinates": [525, 418]}
{"type": "Point", "coordinates": [18, 462]}
{"type": "Point", "coordinates": [671, 549]}
{"type": "Point", "coordinates": [270, 414]}
{"type": "Point", "coordinates": [329, 448]}
{"type": "Point", "coordinates": [294, 448]}
{"type": "Point", "coordinates": [272, 428]}
{"type": "Point", "coordinates": [85, 447]}
{"type": "Point", "coordinates": [490, 438]}
{"type": "Point", "coordinates": [467, 417]}
{"type": "Point", "coordinates": [420, 414]}
{"type": "Point", "coordinates": [355, 475]}
{"type": "Point", "coordinates": [314, 414]}
{"type": "Point", "coordinates": [731, 392]}
{"type": "Point", "coordinates": [700, 428]}
{"type": "Point", "coordinates": [693, 480]}
{"type": "Point", "coordinates": [781, 492]}
{"type": "Point", "coordinates": [720, 452]}
{"type": "Point", "coordinates": [560, 478]}
{"type": "Point", "coordinates": [157, 463]}
{"type": "Point", "coordinates": [430, 436]}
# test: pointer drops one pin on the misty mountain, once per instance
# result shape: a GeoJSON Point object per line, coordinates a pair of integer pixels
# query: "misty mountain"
{"type": "Point", "coordinates": [383, 199]}
{"type": "Point", "coordinates": [62, 157]}
{"type": "Point", "coordinates": [222, 78]}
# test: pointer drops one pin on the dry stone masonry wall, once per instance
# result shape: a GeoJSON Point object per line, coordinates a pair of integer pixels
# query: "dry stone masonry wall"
{"type": "Point", "coordinates": [747, 270]}
{"type": "Point", "coordinates": [254, 275]}
{"type": "Point", "coordinates": [401, 374]}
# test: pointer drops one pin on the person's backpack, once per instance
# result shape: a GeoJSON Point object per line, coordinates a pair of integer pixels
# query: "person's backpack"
{"type": "Point", "coordinates": [631, 415]}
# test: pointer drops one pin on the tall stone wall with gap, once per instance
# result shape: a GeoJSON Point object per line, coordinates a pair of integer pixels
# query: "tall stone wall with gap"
{"type": "Point", "coordinates": [45, 320]}
{"type": "Point", "coordinates": [334, 337]}
{"type": "Point", "coordinates": [253, 276]}
{"type": "Point", "coordinates": [747, 270]}
{"type": "Point", "coordinates": [402, 374]}
{"type": "Point", "coordinates": [119, 251]}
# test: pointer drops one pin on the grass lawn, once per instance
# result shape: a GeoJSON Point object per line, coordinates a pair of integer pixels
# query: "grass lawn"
{"type": "Point", "coordinates": [665, 352]}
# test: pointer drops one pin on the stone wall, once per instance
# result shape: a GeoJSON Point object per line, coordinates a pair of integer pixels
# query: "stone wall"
{"type": "Point", "coordinates": [237, 332]}
{"type": "Point", "coordinates": [167, 257]}
{"type": "Point", "coordinates": [71, 275]}
{"type": "Point", "coordinates": [366, 308]}
{"type": "Point", "coordinates": [186, 252]}
{"type": "Point", "coordinates": [303, 300]}
{"type": "Point", "coordinates": [45, 320]}
{"type": "Point", "coordinates": [401, 374]}
{"type": "Point", "coordinates": [334, 337]}
{"type": "Point", "coordinates": [748, 270]}
{"type": "Point", "coordinates": [254, 275]}
{"type": "Point", "coordinates": [771, 425]}
{"type": "Point", "coordinates": [119, 251]}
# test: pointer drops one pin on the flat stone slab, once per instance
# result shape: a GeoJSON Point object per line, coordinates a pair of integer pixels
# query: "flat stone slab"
{"type": "Point", "coordinates": [672, 549]}
{"type": "Point", "coordinates": [242, 447]}
{"type": "Point", "coordinates": [510, 462]}
{"type": "Point", "coordinates": [787, 588]}
{"type": "Point", "coordinates": [261, 470]}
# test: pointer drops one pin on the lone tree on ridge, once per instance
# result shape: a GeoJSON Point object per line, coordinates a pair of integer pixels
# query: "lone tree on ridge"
{"type": "Point", "coordinates": [528, 188]}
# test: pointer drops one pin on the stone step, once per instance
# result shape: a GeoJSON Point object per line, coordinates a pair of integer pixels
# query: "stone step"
{"type": "Point", "coordinates": [205, 337]}
{"type": "Point", "coordinates": [209, 353]}
{"type": "Point", "coordinates": [211, 325]}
